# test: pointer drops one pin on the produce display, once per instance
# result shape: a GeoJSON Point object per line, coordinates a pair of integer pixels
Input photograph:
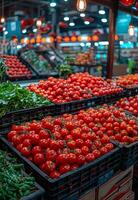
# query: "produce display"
{"type": "Point", "coordinates": [130, 104]}
{"type": "Point", "coordinates": [15, 69]}
{"type": "Point", "coordinates": [84, 58]}
{"type": "Point", "coordinates": [37, 62]}
{"type": "Point", "coordinates": [58, 145]}
{"type": "Point", "coordinates": [14, 183]}
{"type": "Point", "coordinates": [78, 86]}
{"type": "Point", "coordinates": [128, 81]}
{"type": "Point", "coordinates": [13, 98]}
{"type": "Point", "coordinates": [2, 69]}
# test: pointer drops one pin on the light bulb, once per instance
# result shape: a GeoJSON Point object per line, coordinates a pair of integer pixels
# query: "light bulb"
{"type": "Point", "coordinates": [38, 23]}
{"type": "Point", "coordinates": [53, 4]}
{"type": "Point", "coordinates": [2, 20]}
{"type": "Point", "coordinates": [131, 30]}
{"type": "Point", "coordinates": [24, 31]}
{"type": "Point", "coordinates": [34, 30]}
{"type": "Point", "coordinates": [86, 22]}
{"type": "Point", "coordinates": [101, 12]}
{"type": "Point", "coordinates": [71, 24]}
{"type": "Point", "coordinates": [104, 20]}
{"type": "Point", "coordinates": [82, 14]}
{"type": "Point", "coordinates": [66, 18]}
{"type": "Point", "coordinates": [81, 5]}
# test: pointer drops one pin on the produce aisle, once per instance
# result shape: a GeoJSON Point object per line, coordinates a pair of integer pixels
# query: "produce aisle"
{"type": "Point", "coordinates": [68, 100]}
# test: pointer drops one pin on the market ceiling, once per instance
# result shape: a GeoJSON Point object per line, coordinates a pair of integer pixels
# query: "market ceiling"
{"type": "Point", "coordinates": [35, 8]}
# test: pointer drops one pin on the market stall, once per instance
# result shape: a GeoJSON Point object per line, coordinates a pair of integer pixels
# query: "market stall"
{"type": "Point", "coordinates": [68, 134]}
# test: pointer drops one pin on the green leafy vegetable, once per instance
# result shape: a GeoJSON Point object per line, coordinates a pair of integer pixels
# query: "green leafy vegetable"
{"type": "Point", "coordinates": [14, 183]}
{"type": "Point", "coordinates": [2, 69]}
{"type": "Point", "coordinates": [13, 97]}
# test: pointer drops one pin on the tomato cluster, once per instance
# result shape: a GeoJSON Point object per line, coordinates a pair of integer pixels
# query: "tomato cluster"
{"type": "Point", "coordinates": [130, 104]}
{"type": "Point", "coordinates": [128, 81]}
{"type": "Point", "coordinates": [15, 68]}
{"type": "Point", "coordinates": [59, 145]}
{"type": "Point", "coordinates": [78, 86]}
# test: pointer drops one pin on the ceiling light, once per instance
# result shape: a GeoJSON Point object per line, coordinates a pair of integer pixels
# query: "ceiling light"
{"type": "Point", "coordinates": [4, 29]}
{"type": "Point", "coordinates": [24, 31]}
{"type": "Point", "coordinates": [82, 14]}
{"type": "Point", "coordinates": [66, 0]}
{"type": "Point", "coordinates": [81, 5]}
{"type": "Point", "coordinates": [66, 18]}
{"type": "Point", "coordinates": [131, 30]}
{"type": "Point", "coordinates": [53, 4]}
{"type": "Point", "coordinates": [6, 32]}
{"type": "Point", "coordinates": [34, 30]}
{"type": "Point", "coordinates": [86, 22]}
{"type": "Point", "coordinates": [72, 24]}
{"type": "Point", "coordinates": [2, 20]}
{"type": "Point", "coordinates": [101, 12]}
{"type": "Point", "coordinates": [38, 23]}
{"type": "Point", "coordinates": [104, 20]}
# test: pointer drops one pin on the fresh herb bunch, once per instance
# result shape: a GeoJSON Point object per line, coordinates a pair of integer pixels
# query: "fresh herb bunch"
{"type": "Point", "coordinates": [2, 69]}
{"type": "Point", "coordinates": [14, 183]}
{"type": "Point", "coordinates": [13, 97]}
{"type": "Point", "coordinates": [65, 70]}
{"type": "Point", "coordinates": [69, 60]}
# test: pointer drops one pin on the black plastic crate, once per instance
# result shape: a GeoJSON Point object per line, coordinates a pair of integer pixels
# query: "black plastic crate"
{"type": "Point", "coordinates": [39, 193]}
{"type": "Point", "coordinates": [89, 176]}
{"type": "Point", "coordinates": [21, 116]}
{"type": "Point", "coordinates": [129, 155]}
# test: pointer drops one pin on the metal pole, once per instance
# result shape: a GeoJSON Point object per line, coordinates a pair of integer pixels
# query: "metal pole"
{"type": "Point", "coordinates": [112, 26]}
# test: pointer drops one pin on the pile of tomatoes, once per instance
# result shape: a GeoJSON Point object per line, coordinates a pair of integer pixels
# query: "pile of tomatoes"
{"type": "Point", "coordinates": [58, 145]}
{"type": "Point", "coordinates": [78, 86]}
{"type": "Point", "coordinates": [15, 68]}
{"type": "Point", "coordinates": [128, 81]}
{"type": "Point", "coordinates": [130, 104]}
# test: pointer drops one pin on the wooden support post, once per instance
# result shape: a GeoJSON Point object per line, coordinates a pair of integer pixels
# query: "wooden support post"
{"type": "Point", "coordinates": [112, 25]}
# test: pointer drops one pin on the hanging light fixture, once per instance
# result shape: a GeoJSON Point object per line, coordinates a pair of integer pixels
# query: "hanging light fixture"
{"type": "Point", "coordinates": [38, 23]}
{"type": "Point", "coordinates": [2, 18]}
{"type": "Point", "coordinates": [131, 29]}
{"type": "Point", "coordinates": [81, 5]}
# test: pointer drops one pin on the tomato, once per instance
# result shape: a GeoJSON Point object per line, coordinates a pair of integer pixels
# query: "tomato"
{"type": "Point", "coordinates": [85, 150]}
{"type": "Point", "coordinates": [96, 153]}
{"type": "Point", "coordinates": [71, 158]}
{"type": "Point", "coordinates": [109, 146]}
{"type": "Point", "coordinates": [49, 167]}
{"type": "Point", "coordinates": [36, 149]}
{"type": "Point", "coordinates": [26, 143]}
{"type": "Point", "coordinates": [90, 157]}
{"type": "Point", "coordinates": [88, 143]}
{"type": "Point", "coordinates": [25, 151]}
{"type": "Point", "coordinates": [19, 147]}
{"type": "Point", "coordinates": [103, 150]}
{"type": "Point", "coordinates": [39, 158]}
{"type": "Point", "coordinates": [43, 134]}
{"type": "Point", "coordinates": [79, 143]}
{"type": "Point", "coordinates": [51, 155]}
{"type": "Point", "coordinates": [54, 144]}
{"type": "Point", "coordinates": [71, 144]}
{"type": "Point", "coordinates": [105, 139]}
{"type": "Point", "coordinates": [80, 159]}
{"type": "Point", "coordinates": [44, 143]}
{"type": "Point", "coordinates": [16, 140]}
{"type": "Point", "coordinates": [61, 159]}
{"type": "Point", "coordinates": [11, 134]}
{"type": "Point", "coordinates": [64, 168]}
{"type": "Point", "coordinates": [55, 174]}
{"type": "Point", "coordinates": [35, 139]}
